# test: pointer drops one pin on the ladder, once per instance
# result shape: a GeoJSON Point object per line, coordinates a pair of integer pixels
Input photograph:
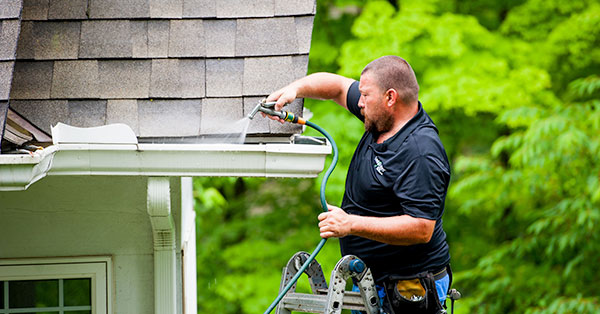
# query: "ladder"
{"type": "Point", "coordinates": [332, 299]}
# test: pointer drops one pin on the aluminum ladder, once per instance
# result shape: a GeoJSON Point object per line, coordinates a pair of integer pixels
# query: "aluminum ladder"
{"type": "Point", "coordinates": [332, 299]}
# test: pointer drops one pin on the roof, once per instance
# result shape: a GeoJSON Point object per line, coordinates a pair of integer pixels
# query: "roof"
{"type": "Point", "coordinates": [10, 11]}
{"type": "Point", "coordinates": [166, 68]}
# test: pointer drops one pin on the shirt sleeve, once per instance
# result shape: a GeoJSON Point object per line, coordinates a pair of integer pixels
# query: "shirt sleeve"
{"type": "Point", "coordinates": [422, 186]}
{"type": "Point", "coordinates": [352, 99]}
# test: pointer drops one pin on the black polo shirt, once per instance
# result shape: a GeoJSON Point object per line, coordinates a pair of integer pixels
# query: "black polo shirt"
{"type": "Point", "coordinates": [408, 174]}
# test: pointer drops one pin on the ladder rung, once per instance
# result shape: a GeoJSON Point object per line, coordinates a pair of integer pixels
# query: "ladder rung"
{"type": "Point", "coordinates": [312, 303]}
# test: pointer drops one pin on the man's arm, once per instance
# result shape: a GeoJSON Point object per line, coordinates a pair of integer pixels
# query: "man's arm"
{"type": "Point", "coordinates": [317, 85]}
{"type": "Point", "coordinates": [396, 230]}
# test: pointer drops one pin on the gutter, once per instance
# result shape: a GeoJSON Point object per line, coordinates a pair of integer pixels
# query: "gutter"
{"type": "Point", "coordinates": [18, 172]}
{"type": "Point", "coordinates": [129, 158]}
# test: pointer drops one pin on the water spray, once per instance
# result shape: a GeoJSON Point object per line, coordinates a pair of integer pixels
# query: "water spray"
{"type": "Point", "coordinates": [269, 108]}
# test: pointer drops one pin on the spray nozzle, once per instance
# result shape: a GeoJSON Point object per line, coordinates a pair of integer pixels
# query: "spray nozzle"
{"type": "Point", "coordinates": [263, 106]}
{"type": "Point", "coordinates": [268, 108]}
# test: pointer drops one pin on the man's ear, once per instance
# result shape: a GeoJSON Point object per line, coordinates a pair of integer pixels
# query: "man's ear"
{"type": "Point", "coordinates": [391, 97]}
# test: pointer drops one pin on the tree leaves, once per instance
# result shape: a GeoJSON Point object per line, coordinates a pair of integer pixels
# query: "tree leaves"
{"type": "Point", "coordinates": [517, 103]}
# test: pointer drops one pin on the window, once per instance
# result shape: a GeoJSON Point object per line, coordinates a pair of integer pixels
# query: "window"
{"type": "Point", "coordinates": [55, 286]}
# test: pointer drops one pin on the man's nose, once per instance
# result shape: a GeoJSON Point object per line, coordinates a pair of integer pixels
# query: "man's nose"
{"type": "Point", "coordinates": [361, 102]}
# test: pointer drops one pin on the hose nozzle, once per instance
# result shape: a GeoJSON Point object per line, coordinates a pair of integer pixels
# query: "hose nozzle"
{"type": "Point", "coordinates": [267, 108]}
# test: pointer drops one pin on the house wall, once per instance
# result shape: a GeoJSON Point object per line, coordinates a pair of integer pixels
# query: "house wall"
{"type": "Point", "coordinates": [92, 215]}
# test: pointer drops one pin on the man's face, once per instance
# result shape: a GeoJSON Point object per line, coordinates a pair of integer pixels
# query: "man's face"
{"type": "Point", "coordinates": [372, 104]}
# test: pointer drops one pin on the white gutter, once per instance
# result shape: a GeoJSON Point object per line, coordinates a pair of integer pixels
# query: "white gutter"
{"type": "Point", "coordinates": [18, 172]}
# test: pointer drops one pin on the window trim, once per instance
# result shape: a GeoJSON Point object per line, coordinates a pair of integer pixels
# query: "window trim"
{"type": "Point", "coordinates": [99, 269]}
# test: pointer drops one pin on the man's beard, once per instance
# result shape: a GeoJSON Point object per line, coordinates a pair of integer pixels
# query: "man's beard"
{"type": "Point", "coordinates": [379, 124]}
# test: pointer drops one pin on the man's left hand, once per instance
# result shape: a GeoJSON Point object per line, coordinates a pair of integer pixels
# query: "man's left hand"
{"type": "Point", "coordinates": [335, 223]}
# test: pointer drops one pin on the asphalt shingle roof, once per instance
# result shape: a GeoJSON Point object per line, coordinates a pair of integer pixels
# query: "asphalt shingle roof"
{"type": "Point", "coordinates": [9, 31]}
{"type": "Point", "coordinates": [167, 68]}
{"type": "Point", "coordinates": [10, 11]}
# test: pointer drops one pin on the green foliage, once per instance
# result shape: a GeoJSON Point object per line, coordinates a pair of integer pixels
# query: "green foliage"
{"type": "Point", "coordinates": [513, 87]}
{"type": "Point", "coordinates": [543, 207]}
{"type": "Point", "coordinates": [332, 23]}
{"type": "Point", "coordinates": [535, 19]}
{"type": "Point", "coordinates": [459, 63]}
{"type": "Point", "coordinates": [247, 229]}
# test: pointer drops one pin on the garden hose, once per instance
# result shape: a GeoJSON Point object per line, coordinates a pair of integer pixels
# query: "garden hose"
{"type": "Point", "coordinates": [290, 117]}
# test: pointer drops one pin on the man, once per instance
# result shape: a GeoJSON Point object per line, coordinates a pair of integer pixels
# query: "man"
{"type": "Point", "coordinates": [391, 215]}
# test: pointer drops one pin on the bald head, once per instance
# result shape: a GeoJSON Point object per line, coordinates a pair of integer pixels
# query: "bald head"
{"type": "Point", "coordinates": [394, 72]}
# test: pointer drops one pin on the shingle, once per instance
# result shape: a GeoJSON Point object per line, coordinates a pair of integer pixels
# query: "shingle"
{"type": "Point", "coordinates": [123, 111]}
{"type": "Point", "coordinates": [220, 37]}
{"type": "Point", "coordinates": [244, 8]}
{"type": "Point", "coordinates": [273, 36]}
{"type": "Point", "coordinates": [262, 76]}
{"type": "Point", "coordinates": [218, 115]}
{"type": "Point", "coordinates": [119, 9]}
{"type": "Point", "coordinates": [34, 10]}
{"type": "Point", "coordinates": [304, 27]}
{"type": "Point", "coordinates": [139, 39]}
{"type": "Point", "coordinates": [42, 113]}
{"type": "Point", "coordinates": [258, 124]}
{"type": "Point", "coordinates": [295, 7]}
{"type": "Point", "coordinates": [6, 75]}
{"type": "Point", "coordinates": [158, 38]}
{"type": "Point", "coordinates": [124, 78]}
{"type": "Point", "coordinates": [164, 80]}
{"type": "Point", "coordinates": [169, 117]}
{"type": "Point", "coordinates": [192, 77]}
{"type": "Point", "coordinates": [9, 32]}
{"type": "Point", "coordinates": [199, 8]}
{"type": "Point", "coordinates": [26, 43]}
{"type": "Point", "coordinates": [10, 9]}
{"type": "Point", "coordinates": [174, 78]}
{"type": "Point", "coordinates": [68, 9]}
{"type": "Point", "coordinates": [166, 8]}
{"type": "Point", "coordinates": [87, 113]}
{"type": "Point", "coordinates": [224, 77]}
{"type": "Point", "coordinates": [75, 79]}
{"type": "Point", "coordinates": [56, 40]}
{"type": "Point", "coordinates": [31, 80]}
{"type": "Point", "coordinates": [186, 38]}
{"type": "Point", "coordinates": [300, 64]}
{"type": "Point", "coordinates": [105, 39]}
{"type": "Point", "coordinates": [288, 128]}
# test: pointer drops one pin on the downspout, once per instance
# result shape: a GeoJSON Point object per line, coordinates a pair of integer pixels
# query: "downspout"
{"type": "Point", "coordinates": [163, 231]}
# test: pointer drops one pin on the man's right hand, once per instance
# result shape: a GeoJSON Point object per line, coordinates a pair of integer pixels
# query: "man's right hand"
{"type": "Point", "coordinates": [317, 85]}
{"type": "Point", "coordinates": [283, 96]}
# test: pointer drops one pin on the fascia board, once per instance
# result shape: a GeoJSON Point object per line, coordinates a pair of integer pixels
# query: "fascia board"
{"type": "Point", "coordinates": [178, 160]}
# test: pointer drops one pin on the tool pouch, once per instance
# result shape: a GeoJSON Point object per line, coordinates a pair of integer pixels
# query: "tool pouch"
{"type": "Point", "coordinates": [416, 294]}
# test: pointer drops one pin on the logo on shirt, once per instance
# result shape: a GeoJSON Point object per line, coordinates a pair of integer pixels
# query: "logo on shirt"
{"type": "Point", "coordinates": [379, 166]}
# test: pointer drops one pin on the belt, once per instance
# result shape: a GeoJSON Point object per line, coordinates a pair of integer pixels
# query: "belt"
{"type": "Point", "coordinates": [440, 274]}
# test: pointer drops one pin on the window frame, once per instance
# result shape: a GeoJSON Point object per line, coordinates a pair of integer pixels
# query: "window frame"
{"type": "Point", "coordinates": [98, 269]}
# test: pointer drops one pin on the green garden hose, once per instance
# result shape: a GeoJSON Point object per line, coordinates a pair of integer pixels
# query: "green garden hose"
{"type": "Point", "coordinates": [323, 205]}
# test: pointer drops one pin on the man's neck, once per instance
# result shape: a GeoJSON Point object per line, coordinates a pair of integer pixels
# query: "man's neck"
{"type": "Point", "coordinates": [400, 121]}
